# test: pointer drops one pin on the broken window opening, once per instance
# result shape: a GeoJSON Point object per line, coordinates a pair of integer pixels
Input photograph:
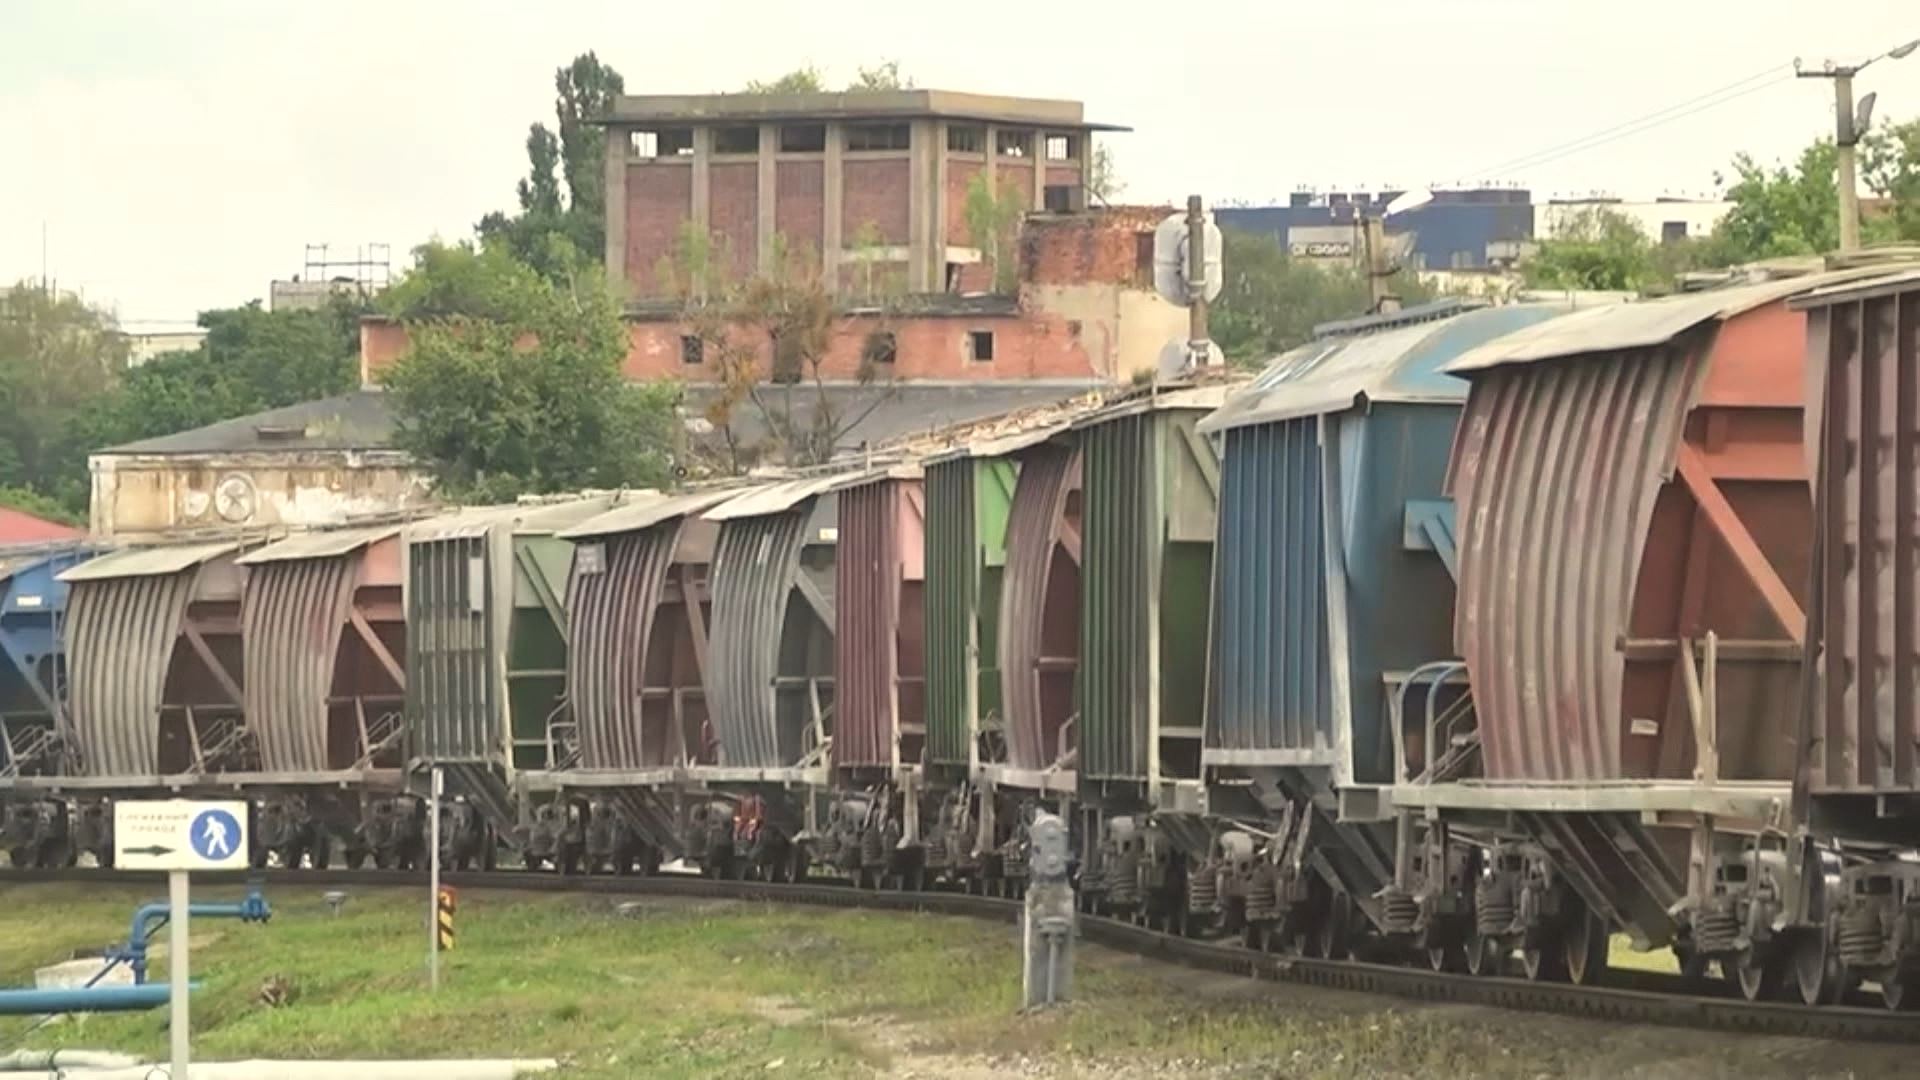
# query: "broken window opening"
{"type": "Point", "coordinates": [879, 137]}
{"type": "Point", "coordinates": [692, 349]}
{"type": "Point", "coordinates": [736, 140]}
{"type": "Point", "coordinates": [966, 139]}
{"type": "Point", "coordinates": [803, 138]}
{"type": "Point", "coordinates": [882, 347]}
{"type": "Point", "coordinates": [980, 345]}
{"type": "Point", "coordinates": [1016, 144]}
{"type": "Point", "coordinates": [1063, 148]}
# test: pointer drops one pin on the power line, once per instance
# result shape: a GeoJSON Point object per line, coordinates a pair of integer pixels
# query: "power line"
{"type": "Point", "coordinates": [1773, 75]}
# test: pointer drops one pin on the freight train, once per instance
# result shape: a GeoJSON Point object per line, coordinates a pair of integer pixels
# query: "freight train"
{"type": "Point", "coordinates": [1471, 634]}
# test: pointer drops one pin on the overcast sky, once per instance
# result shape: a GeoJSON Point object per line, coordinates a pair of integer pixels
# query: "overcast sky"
{"type": "Point", "coordinates": [181, 154]}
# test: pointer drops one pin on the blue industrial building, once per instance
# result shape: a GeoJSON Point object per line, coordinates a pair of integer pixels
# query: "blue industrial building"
{"type": "Point", "coordinates": [1473, 229]}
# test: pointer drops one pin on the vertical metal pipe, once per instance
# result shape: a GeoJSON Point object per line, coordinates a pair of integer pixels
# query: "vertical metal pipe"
{"type": "Point", "coordinates": [177, 1014]}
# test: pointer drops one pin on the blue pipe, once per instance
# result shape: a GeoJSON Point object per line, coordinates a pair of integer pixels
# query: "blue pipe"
{"type": "Point", "coordinates": [151, 917]}
{"type": "Point", "coordinates": [77, 999]}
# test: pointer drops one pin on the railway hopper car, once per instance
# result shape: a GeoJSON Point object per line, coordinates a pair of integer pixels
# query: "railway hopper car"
{"type": "Point", "coordinates": [1859, 778]}
{"type": "Point", "coordinates": [486, 593]}
{"type": "Point", "coordinates": [1332, 592]}
{"type": "Point", "coordinates": [324, 692]}
{"type": "Point", "coordinates": [154, 703]}
{"type": "Point", "coordinates": [1635, 531]}
{"type": "Point", "coordinates": [1149, 485]}
{"type": "Point", "coordinates": [37, 830]}
{"type": "Point", "coordinates": [1003, 615]}
{"type": "Point", "coordinates": [770, 682]}
{"type": "Point", "coordinates": [639, 601]}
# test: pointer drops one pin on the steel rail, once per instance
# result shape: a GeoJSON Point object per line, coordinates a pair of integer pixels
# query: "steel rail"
{"type": "Point", "coordinates": [1637, 997]}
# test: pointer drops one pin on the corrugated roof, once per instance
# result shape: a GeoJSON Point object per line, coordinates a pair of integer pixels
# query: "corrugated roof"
{"type": "Point", "coordinates": [1206, 398]}
{"type": "Point", "coordinates": [1643, 324]}
{"type": "Point", "coordinates": [525, 519]}
{"type": "Point", "coordinates": [773, 498]}
{"type": "Point", "coordinates": [327, 544]}
{"type": "Point", "coordinates": [17, 558]}
{"type": "Point", "coordinates": [643, 510]}
{"type": "Point", "coordinates": [20, 527]}
{"type": "Point", "coordinates": [359, 420]}
{"type": "Point", "coordinates": [1402, 363]}
{"type": "Point", "coordinates": [148, 562]}
{"type": "Point", "coordinates": [1859, 290]}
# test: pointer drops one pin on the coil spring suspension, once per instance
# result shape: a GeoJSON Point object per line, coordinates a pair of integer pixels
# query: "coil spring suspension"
{"type": "Point", "coordinates": [1123, 879]}
{"type": "Point", "coordinates": [1203, 887]}
{"type": "Point", "coordinates": [873, 850]}
{"type": "Point", "coordinates": [1493, 906]}
{"type": "Point", "coordinates": [1014, 863]}
{"type": "Point", "coordinates": [1263, 894]}
{"type": "Point", "coordinates": [937, 848]}
{"type": "Point", "coordinates": [1716, 932]}
{"type": "Point", "coordinates": [1861, 937]}
{"type": "Point", "coordinates": [1398, 909]}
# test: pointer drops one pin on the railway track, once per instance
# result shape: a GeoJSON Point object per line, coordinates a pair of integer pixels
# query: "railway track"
{"type": "Point", "coordinates": [1637, 997]}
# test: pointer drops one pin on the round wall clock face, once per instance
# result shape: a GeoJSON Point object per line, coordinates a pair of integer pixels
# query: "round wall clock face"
{"type": "Point", "coordinates": [233, 498]}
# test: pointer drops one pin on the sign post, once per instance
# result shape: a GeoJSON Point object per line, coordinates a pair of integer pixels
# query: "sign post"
{"type": "Point", "coordinates": [433, 881]}
{"type": "Point", "coordinates": [179, 836]}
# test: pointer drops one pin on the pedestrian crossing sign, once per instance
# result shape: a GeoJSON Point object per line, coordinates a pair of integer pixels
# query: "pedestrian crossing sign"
{"type": "Point", "coordinates": [179, 834]}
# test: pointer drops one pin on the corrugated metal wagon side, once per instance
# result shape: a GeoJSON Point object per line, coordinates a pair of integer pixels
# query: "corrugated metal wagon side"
{"type": "Point", "coordinates": [770, 685]}
{"type": "Point", "coordinates": [324, 629]}
{"type": "Point", "coordinates": [637, 613]}
{"type": "Point", "coordinates": [880, 654]}
{"type": "Point", "coordinates": [1040, 607]}
{"type": "Point", "coordinates": [1333, 578]}
{"type": "Point", "coordinates": [486, 643]}
{"type": "Point", "coordinates": [154, 654]}
{"type": "Point", "coordinates": [1630, 481]}
{"type": "Point", "coordinates": [966, 534]}
{"type": "Point", "coordinates": [1150, 487]}
{"type": "Point", "coordinates": [1863, 359]}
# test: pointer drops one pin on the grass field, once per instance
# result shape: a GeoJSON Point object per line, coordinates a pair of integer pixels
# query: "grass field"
{"type": "Point", "coordinates": [682, 989]}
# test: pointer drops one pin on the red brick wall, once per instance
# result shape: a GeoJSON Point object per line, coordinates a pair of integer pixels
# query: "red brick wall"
{"type": "Point", "coordinates": [1027, 346]}
{"type": "Point", "coordinates": [1015, 174]}
{"type": "Point", "coordinates": [659, 200]}
{"type": "Point", "coordinates": [1030, 345]}
{"type": "Point", "coordinates": [1068, 175]}
{"type": "Point", "coordinates": [1082, 248]}
{"type": "Point", "coordinates": [733, 210]}
{"type": "Point", "coordinates": [799, 204]}
{"type": "Point", "coordinates": [877, 192]}
{"type": "Point", "coordinates": [960, 174]}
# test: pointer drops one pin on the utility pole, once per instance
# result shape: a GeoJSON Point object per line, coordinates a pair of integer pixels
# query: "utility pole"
{"type": "Point", "coordinates": [1198, 346]}
{"type": "Point", "coordinates": [1848, 126]}
{"type": "Point", "coordinates": [1373, 234]}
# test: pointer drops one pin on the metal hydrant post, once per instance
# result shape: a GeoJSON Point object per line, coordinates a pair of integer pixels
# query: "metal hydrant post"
{"type": "Point", "coordinates": [1047, 922]}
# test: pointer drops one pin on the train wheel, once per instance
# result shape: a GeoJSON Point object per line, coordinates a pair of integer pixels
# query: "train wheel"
{"type": "Point", "coordinates": [1896, 993]}
{"type": "Point", "coordinates": [1486, 955]}
{"type": "Point", "coordinates": [321, 853]}
{"type": "Point", "coordinates": [20, 857]}
{"type": "Point", "coordinates": [1757, 976]}
{"type": "Point", "coordinates": [1813, 968]}
{"type": "Point", "coordinates": [1330, 937]}
{"type": "Point", "coordinates": [1585, 948]}
{"type": "Point", "coordinates": [1544, 964]}
{"type": "Point", "coordinates": [1443, 958]}
{"type": "Point", "coordinates": [356, 857]}
{"type": "Point", "coordinates": [1258, 936]}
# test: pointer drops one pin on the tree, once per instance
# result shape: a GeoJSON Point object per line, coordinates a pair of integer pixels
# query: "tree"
{"type": "Point", "coordinates": [768, 338]}
{"type": "Point", "coordinates": [512, 383]}
{"type": "Point", "coordinates": [882, 76]}
{"type": "Point", "coordinates": [1103, 181]}
{"type": "Point", "coordinates": [1594, 248]}
{"type": "Point", "coordinates": [801, 80]}
{"type": "Point", "coordinates": [58, 355]}
{"type": "Point", "coordinates": [1269, 303]}
{"type": "Point", "coordinates": [993, 221]}
{"type": "Point", "coordinates": [29, 501]}
{"type": "Point", "coordinates": [563, 214]}
{"type": "Point", "coordinates": [1794, 210]}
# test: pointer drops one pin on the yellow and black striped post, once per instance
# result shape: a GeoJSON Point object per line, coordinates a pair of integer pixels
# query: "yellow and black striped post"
{"type": "Point", "coordinates": [448, 901]}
